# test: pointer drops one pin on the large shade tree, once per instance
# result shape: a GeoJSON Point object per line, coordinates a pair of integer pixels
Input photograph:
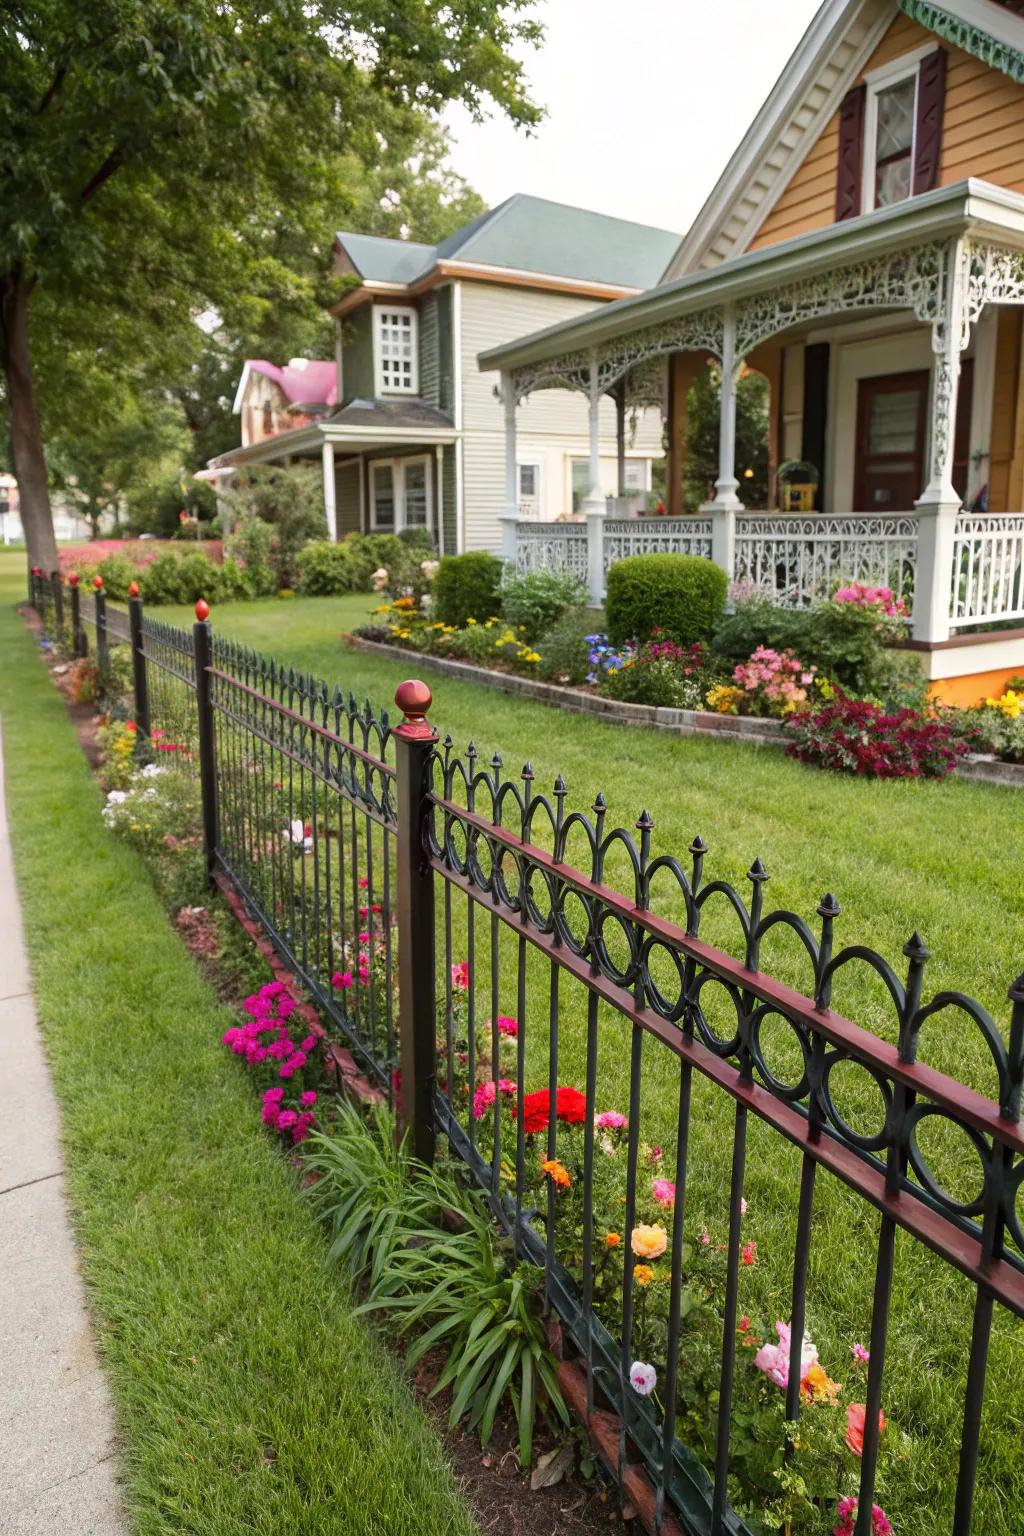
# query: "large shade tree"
{"type": "Point", "coordinates": [145, 146]}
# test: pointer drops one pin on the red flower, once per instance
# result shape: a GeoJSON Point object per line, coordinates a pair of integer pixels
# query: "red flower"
{"type": "Point", "coordinates": [570, 1106]}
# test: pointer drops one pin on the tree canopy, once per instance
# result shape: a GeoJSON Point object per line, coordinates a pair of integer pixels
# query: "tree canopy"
{"type": "Point", "coordinates": [161, 158]}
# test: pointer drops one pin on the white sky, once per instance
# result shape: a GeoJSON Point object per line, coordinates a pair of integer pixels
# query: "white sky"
{"type": "Point", "coordinates": [646, 101]}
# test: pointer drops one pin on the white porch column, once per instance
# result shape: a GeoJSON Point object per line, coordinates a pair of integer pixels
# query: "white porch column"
{"type": "Point", "coordinates": [939, 504]}
{"type": "Point", "coordinates": [594, 505]}
{"type": "Point", "coordinates": [330, 499]}
{"type": "Point", "coordinates": [509, 516]}
{"type": "Point", "coordinates": [726, 503]}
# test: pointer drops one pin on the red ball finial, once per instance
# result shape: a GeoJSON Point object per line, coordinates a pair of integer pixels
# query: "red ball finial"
{"type": "Point", "coordinates": [36, 571]}
{"type": "Point", "coordinates": [72, 578]}
{"type": "Point", "coordinates": [202, 610]}
{"type": "Point", "coordinates": [414, 699]}
{"type": "Point", "coordinates": [97, 582]}
{"type": "Point", "coordinates": [133, 589]}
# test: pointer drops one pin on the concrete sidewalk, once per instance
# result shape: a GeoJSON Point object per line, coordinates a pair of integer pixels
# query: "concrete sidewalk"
{"type": "Point", "coordinates": [57, 1433]}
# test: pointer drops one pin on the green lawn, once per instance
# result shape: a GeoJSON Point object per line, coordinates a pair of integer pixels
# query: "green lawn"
{"type": "Point", "coordinates": [249, 1399]}
{"type": "Point", "coordinates": [941, 858]}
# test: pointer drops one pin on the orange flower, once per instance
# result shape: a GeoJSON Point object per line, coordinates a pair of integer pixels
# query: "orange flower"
{"type": "Point", "coordinates": [556, 1172]}
{"type": "Point", "coordinates": [643, 1274]}
{"type": "Point", "coordinates": [856, 1419]}
{"type": "Point", "coordinates": [649, 1242]}
{"type": "Point", "coordinates": [818, 1387]}
{"type": "Point", "coordinates": [612, 1239]}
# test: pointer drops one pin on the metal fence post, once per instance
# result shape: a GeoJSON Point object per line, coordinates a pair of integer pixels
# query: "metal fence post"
{"type": "Point", "coordinates": [140, 675]}
{"type": "Point", "coordinates": [202, 644]}
{"type": "Point", "coordinates": [78, 641]}
{"type": "Point", "coordinates": [58, 606]}
{"type": "Point", "coordinates": [102, 651]}
{"type": "Point", "coordinates": [33, 586]}
{"type": "Point", "coordinates": [414, 742]}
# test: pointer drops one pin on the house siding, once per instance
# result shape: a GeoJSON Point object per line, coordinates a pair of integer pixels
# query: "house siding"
{"type": "Point", "coordinates": [449, 514]}
{"type": "Point", "coordinates": [357, 380]}
{"type": "Point", "coordinates": [430, 352]}
{"type": "Point", "coordinates": [552, 424]}
{"type": "Point", "coordinates": [982, 133]}
{"type": "Point", "coordinates": [445, 350]}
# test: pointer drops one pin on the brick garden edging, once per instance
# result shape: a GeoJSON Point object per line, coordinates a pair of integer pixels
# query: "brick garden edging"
{"type": "Point", "coordinates": [683, 722]}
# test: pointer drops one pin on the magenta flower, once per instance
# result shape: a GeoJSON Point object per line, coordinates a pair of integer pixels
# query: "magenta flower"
{"type": "Point", "coordinates": [611, 1120]}
{"type": "Point", "coordinates": [507, 1026]}
{"type": "Point", "coordinates": [860, 1354]}
{"type": "Point", "coordinates": [286, 1118]}
{"type": "Point", "coordinates": [486, 1094]}
{"type": "Point", "coordinates": [273, 1096]}
{"type": "Point", "coordinates": [308, 1044]}
{"type": "Point", "coordinates": [308, 1098]}
{"type": "Point", "coordinates": [664, 1192]}
{"type": "Point", "coordinates": [341, 979]}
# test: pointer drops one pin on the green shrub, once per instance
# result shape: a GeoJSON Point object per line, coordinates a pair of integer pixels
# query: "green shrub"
{"type": "Point", "coordinates": [467, 587]}
{"type": "Point", "coordinates": [533, 602]}
{"type": "Point", "coordinates": [185, 578]}
{"type": "Point", "coordinates": [118, 573]}
{"type": "Point", "coordinates": [845, 642]}
{"type": "Point", "coordinates": [682, 595]}
{"type": "Point", "coordinates": [199, 577]}
{"type": "Point", "coordinates": [418, 541]}
{"type": "Point", "coordinates": [326, 569]}
{"type": "Point", "coordinates": [759, 622]}
{"type": "Point", "coordinates": [291, 501]}
{"type": "Point", "coordinates": [250, 547]}
{"type": "Point", "coordinates": [565, 649]}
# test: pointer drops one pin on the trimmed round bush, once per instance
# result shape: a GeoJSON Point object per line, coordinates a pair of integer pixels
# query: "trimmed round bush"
{"type": "Point", "coordinates": [326, 568]}
{"type": "Point", "coordinates": [467, 587]}
{"type": "Point", "coordinates": [535, 601]}
{"type": "Point", "coordinates": [681, 595]}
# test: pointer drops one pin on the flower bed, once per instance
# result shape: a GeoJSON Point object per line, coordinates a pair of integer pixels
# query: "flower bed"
{"type": "Point", "coordinates": [141, 552]}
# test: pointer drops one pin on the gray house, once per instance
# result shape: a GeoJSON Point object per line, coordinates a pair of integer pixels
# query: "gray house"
{"type": "Point", "coordinates": [416, 438]}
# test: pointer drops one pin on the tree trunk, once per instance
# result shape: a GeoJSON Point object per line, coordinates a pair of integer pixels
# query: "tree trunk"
{"type": "Point", "coordinates": [26, 432]}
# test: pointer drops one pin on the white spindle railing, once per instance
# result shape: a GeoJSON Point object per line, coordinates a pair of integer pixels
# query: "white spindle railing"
{"type": "Point", "coordinates": [551, 547]}
{"type": "Point", "coordinates": [988, 568]}
{"type": "Point", "coordinates": [795, 559]}
{"type": "Point", "coordinates": [655, 536]}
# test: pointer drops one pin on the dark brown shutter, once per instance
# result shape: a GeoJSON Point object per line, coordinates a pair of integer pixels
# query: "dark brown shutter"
{"type": "Point", "coordinates": [851, 153]}
{"type": "Point", "coordinates": [931, 94]}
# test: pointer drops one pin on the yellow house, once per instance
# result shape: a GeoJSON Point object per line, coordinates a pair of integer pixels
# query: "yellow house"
{"type": "Point", "coordinates": [864, 250]}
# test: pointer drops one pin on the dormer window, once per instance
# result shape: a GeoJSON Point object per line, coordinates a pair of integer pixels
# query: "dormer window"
{"type": "Point", "coordinates": [395, 350]}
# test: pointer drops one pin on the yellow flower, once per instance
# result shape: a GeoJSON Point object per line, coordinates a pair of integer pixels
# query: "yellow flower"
{"type": "Point", "coordinates": [643, 1274]}
{"type": "Point", "coordinates": [649, 1242]}
{"type": "Point", "coordinates": [1010, 704]}
{"type": "Point", "coordinates": [531, 656]}
{"type": "Point", "coordinates": [471, 621]}
{"type": "Point", "coordinates": [723, 698]}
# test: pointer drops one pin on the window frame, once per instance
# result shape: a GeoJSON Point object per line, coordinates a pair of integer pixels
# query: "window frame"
{"type": "Point", "coordinates": [398, 468]}
{"type": "Point", "coordinates": [380, 314]}
{"type": "Point", "coordinates": [906, 67]}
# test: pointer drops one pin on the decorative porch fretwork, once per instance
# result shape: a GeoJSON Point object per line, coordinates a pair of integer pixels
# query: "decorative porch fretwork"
{"type": "Point", "coordinates": [645, 385]}
{"type": "Point", "coordinates": [901, 280]}
{"type": "Point", "coordinates": [570, 371]}
{"type": "Point", "coordinates": [795, 560]}
{"type": "Point", "coordinates": [655, 536]}
{"type": "Point", "coordinates": [698, 332]}
{"type": "Point", "coordinates": [551, 547]}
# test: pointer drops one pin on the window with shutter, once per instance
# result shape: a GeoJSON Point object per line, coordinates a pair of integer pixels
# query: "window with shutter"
{"type": "Point", "coordinates": [851, 147]}
{"type": "Point", "coordinates": [900, 142]}
{"type": "Point", "coordinates": [931, 96]}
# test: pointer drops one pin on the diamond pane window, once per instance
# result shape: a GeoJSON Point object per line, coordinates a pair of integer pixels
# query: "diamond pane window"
{"type": "Point", "coordinates": [397, 370]}
{"type": "Point", "coordinates": [894, 141]}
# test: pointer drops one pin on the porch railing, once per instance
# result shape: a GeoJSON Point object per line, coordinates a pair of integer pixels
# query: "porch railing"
{"type": "Point", "coordinates": [457, 892]}
{"type": "Point", "coordinates": [988, 568]}
{"type": "Point", "coordinates": [794, 559]}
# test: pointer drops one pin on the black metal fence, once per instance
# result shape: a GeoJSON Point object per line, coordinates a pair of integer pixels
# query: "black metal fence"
{"type": "Point", "coordinates": [416, 891]}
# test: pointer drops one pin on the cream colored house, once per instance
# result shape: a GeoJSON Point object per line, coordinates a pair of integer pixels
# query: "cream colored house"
{"type": "Point", "coordinates": [416, 437]}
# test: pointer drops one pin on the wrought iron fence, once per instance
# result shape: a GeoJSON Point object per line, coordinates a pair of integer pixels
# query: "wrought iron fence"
{"type": "Point", "coordinates": [415, 890]}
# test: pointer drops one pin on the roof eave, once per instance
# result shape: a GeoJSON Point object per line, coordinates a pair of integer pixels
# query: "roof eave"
{"type": "Point", "coordinates": [968, 206]}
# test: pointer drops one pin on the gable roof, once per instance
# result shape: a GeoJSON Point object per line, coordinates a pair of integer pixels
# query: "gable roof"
{"type": "Point", "coordinates": [825, 63]}
{"type": "Point", "coordinates": [526, 234]}
{"type": "Point", "coordinates": [302, 381]}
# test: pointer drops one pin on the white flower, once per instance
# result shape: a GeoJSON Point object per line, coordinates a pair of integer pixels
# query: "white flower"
{"type": "Point", "coordinates": [151, 771]}
{"type": "Point", "coordinates": [429, 568]}
{"type": "Point", "coordinates": [149, 794]}
{"type": "Point", "coordinates": [743, 1206]}
{"type": "Point", "coordinates": [426, 602]}
{"type": "Point", "coordinates": [297, 833]}
{"type": "Point", "coordinates": [380, 578]}
{"type": "Point", "coordinates": [643, 1378]}
{"type": "Point", "coordinates": [117, 797]}
{"type": "Point", "coordinates": [607, 1145]}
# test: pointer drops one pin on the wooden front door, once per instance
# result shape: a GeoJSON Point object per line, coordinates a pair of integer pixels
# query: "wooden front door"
{"type": "Point", "coordinates": [892, 416]}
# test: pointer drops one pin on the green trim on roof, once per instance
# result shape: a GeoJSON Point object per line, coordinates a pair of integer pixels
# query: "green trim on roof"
{"type": "Point", "coordinates": [1001, 56]}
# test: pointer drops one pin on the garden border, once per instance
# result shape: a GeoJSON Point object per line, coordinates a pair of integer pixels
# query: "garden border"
{"type": "Point", "coordinates": [683, 722]}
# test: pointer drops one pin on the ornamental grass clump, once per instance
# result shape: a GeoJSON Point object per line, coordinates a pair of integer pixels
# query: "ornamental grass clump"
{"type": "Point", "coordinates": [855, 736]}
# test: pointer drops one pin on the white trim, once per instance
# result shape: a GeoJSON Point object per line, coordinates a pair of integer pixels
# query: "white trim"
{"type": "Point", "coordinates": [380, 312]}
{"type": "Point", "coordinates": [457, 366]}
{"type": "Point", "coordinates": [908, 351]}
{"type": "Point", "coordinates": [240, 391]}
{"type": "Point", "coordinates": [906, 67]}
{"type": "Point", "coordinates": [966, 660]}
{"type": "Point", "coordinates": [814, 51]}
{"type": "Point", "coordinates": [983, 346]}
{"type": "Point", "coordinates": [439, 499]}
{"type": "Point", "coordinates": [887, 74]}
